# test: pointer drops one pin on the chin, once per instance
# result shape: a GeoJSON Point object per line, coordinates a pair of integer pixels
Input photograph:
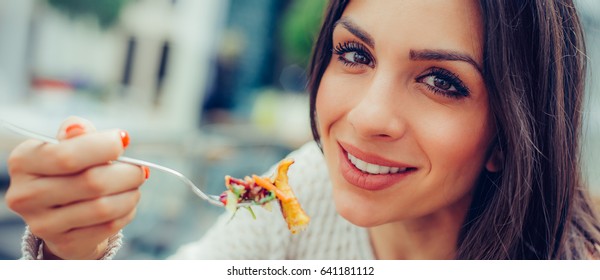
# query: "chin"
{"type": "Point", "coordinates": [357, 209]}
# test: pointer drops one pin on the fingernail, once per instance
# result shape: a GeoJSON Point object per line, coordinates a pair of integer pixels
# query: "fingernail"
{"type": "Point", "coordinates": [146, 172]}
{"type": "Point", "coordinates": [124, 138]}
{"type": "Point", "coordinates": [73, 130]}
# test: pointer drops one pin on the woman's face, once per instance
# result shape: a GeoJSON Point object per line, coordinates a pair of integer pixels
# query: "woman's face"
{"type": "Point", "coordinates": [403, 110]}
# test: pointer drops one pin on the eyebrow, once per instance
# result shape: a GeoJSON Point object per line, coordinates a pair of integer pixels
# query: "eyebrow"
{"type": "Point", "coordinates": [356, 31]}
{"type": "Point", "coordinates": [441, 55]}
{"type": "Point", "coordinates": [438, 55]}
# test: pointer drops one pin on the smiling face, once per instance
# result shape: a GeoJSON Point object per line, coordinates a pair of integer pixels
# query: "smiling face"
{"type": "Point", "coordinates": [403, 111]}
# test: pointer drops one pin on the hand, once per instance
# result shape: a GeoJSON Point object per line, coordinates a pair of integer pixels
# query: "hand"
{"type": "Point", "coordinates": [70, 194]}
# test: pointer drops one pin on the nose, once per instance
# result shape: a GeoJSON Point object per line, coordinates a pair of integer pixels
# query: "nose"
{"type": "Point", "coordinates": [378, 114]}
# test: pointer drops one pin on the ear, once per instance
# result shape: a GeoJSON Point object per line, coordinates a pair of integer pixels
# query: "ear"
{"type": "Point", "coordinates": [495, 160]}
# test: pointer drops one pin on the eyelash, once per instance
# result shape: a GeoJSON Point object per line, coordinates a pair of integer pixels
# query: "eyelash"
{"type": "Point", "coordinates": [451, 78]}
{"type": "Point", "coordinates": [352, 46]}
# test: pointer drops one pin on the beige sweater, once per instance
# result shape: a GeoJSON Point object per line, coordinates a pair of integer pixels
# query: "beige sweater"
{"type": "Point", "coordinates": [328, 236]}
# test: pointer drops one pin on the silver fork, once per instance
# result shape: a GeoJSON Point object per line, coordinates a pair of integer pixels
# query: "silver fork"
{"type": "Point", "coordinates": [212, 199]}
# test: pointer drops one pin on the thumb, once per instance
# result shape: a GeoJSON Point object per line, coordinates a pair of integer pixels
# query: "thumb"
{"type": "Point", "coordinates": [74, 126]}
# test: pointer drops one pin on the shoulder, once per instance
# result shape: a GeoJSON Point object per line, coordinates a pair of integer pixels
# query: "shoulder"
{"type": "Point", "coordinates": [307, 158]}
{"type": "Point", "coordinates": [309, 172]}
{"type": "Point", "coordinates": [309, 152]}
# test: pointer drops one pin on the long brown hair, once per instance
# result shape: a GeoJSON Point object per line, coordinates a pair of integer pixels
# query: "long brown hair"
{"type": "Point", "coordinates": [534, 67]}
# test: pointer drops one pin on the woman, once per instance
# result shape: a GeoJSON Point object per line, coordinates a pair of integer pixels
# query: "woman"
{"type": "Point", "coordinates": [448, 130]}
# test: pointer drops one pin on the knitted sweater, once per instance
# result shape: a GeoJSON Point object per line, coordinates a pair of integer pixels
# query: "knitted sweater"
{"type": "Point", "coordinates": [328, 236]}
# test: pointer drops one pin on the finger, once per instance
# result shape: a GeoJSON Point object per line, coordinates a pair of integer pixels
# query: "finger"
{"type": "Point", "coordinates": [48, 192]}
{"type": "Point", "coordinates": [98, 233]}
{"type": "Point", "coordinates": [73, 127]}
{"type": "Point", "coordinates": [84, 214]}
{"type": "Point", "coordinates": [74, 242]}
{"type": "Point", "coordinates": [70, 156]}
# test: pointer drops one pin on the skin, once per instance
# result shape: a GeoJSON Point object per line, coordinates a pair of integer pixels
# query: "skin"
{"type": "Point", "coordinates": [383, 104]}
{"type": "Point", "coordinates": [70, 195]}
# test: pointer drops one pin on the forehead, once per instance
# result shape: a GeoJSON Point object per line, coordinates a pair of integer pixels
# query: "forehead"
{"type": "Point", "coordinates": [421, 24]}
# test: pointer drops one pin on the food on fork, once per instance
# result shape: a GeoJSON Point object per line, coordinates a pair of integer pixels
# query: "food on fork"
{"type": "Point", "coordinates": [262, 190]}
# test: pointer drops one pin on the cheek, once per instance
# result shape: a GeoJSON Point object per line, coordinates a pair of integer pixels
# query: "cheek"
{"type": "Point", "coordinates": [457, 147]}
{"type": "Point", "coordinates": [330, 103]}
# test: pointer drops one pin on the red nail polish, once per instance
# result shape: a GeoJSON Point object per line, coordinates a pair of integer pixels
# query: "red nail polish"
{"type": "Point", "coordinates": [74, 129]}
{"type": "Point", "coordinates": [124, 138]}
{"type": "Point", "coordinates": [146, 172]}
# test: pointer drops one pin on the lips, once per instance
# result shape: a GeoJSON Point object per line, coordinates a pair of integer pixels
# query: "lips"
{"type": "Point", "coordinates": [370, 172]}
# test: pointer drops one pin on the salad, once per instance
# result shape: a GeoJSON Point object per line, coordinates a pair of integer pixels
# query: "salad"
{"type": "Point", "coordinates": [262, 190]}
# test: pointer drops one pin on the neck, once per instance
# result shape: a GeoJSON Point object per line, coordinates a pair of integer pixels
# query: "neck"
{"type": "Point", "coordinates": [432, 237]}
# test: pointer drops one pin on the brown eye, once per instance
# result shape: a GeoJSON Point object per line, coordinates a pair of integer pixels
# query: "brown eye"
{"type": "Point", "coordinates": [353, 54]}
{"type": "Point", "coordinates": [441, 83]}
{"type": "Point", "coordinates": [356, 58]}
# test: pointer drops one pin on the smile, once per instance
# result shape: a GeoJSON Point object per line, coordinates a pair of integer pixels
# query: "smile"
{"type": "Point", "coordinates": [372, 168]}
{"type": "Point", "coordinates": [369, 171]}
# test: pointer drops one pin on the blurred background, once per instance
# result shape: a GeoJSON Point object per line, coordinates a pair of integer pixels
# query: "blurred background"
{"type": "Point", "coordinates": [207, 87]}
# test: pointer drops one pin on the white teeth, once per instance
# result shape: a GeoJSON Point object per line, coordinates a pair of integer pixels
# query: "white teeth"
{"type": "Point", "coordinates": [373, 168]}
{"type": "Point", "coordinates": [384, 170]}
{"type": "Point", "coordinates": [358, 163]}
